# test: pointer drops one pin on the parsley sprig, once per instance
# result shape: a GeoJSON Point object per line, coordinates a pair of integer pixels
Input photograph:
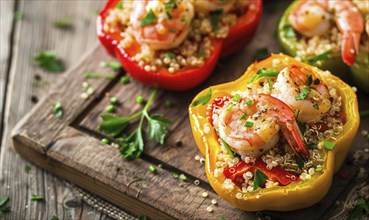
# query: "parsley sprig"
{"type": "Point", "coordinates": [133, 144]}
{"type": "Point", "coordinates": [48, 61]}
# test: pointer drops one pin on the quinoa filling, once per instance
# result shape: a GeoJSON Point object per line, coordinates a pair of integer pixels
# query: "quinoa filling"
{"type": "Point", "coordinates": [195, 48]}
{"type": "Point", "coordinates": [315, 135]}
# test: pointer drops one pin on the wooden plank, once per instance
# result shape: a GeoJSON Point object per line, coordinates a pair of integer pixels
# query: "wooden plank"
{"type": "Point", "coordinates": [33, 33]}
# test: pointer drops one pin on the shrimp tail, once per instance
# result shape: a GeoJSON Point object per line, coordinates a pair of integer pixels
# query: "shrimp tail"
{"type": "Point", "coordinates": [295, 139]}
{"type": "Point", "coordinates": [350, 47]}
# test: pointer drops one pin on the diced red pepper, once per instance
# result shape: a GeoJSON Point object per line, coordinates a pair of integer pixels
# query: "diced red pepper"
{"type": "Point", "coordinates": [276, 174]}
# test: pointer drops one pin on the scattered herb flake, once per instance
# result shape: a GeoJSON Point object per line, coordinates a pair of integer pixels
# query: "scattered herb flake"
{"type": "Point", "coordinates": [170, 55]}
{"type": "Point", "coordinates": [54, 217]}
{"type": "Point", "coordinates": [18, 15]}
{"type": "Point", "coordinates": [249, 102]}
{"type": "Point", "coordinates": [264, 73]}
{"type": "Point", "coordinates": [329, 145]}
{"type": "Point", "coordinates": [113, 100]}
{"type": "Point", "coordinates": [183, 177]}
{"type": "Point", "coordinates": [243, 116]}
{"type": "Point", "coordinates": [120, 5]}
{"type": "Point", "coordinates": [168, 104]}
{"type": "Point", "coordinates": [270, 85]}
{"type": "Point", "coordinates": [109, 108]}
{"type": "Point", "coordinates": [169, 5]}
{"type": "Point", "coordinates": [360, 210]}
{"type": "Point", "coordinates": [230, 106]}
{"type": "Point", "coordinates": [304, 92]}
{"type": "Point", "coordinates": [125, 80]}
{"type": "Point", "coordinates": [200, 54]}
{"type": "Point", "coordinates": [4, 200]}
{"type": "Point", "coordinates": [139, 99]}
{"type": "Point", "coordinates": [227, 147]}
{"type": "Point", "coordinates": [110, 77]}
{"type": "Point", "coordinates": [148, 19]}
{"type": "Point", "coordinates": [259, 179]}
{"type": "Point", "coordinates": [35, 197]}
{"type": "Point", "coordinates": [58, 110]}
{"type": "Point", "coordinates": [309, 79]}
{"type": "Point", "coordinates": [214, 19]}
{"type": "Point", "coordinates": [174, 175]}
{"type": "Point", "coordinates": [92, 75]}
{"type": "Point", "coordinates": [299, 161]}
{"type": "Point", "coordinates": [236, 98]}
{"type": "Point", "coordinates": [142, 217]}
{"type": "Point", "coordinates": [105, 141]}
{"type": "Point", "coordinates": [48, 61]}
{"type": "Point", "coordinates": [152, 169]}
{"type": "Point", "coordinates": [316, 106]}
{"type": "Point", "coordinates": [203, 99]}
{"type": "Point", "coordinates": [114, 65]}
{"type": "Point", "coordinates": [288, 31]}
{"type": "Point", "coordinates": [320, 57]}
{"type": "Point", "coordinates": [248, 124]}
{"type": "Point", "coordinates": [319, 168]}
{"type": "Point", "coordinates": [26, 168]}
{"type": "Point", "coordinates": [261, 53]}
{"type": "Point", "coordinates": [63, 23]}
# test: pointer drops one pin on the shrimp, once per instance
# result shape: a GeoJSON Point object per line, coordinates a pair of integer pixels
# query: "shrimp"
{"type": "Point", "coordinates": [304, 91]}
{"type": "Point", "coordinates": [206, 6]}
{"type": "Point", "coordinates": [312, 17]}
{"type": "Point", "coordinates": [161, 24]}
{"type": "Point", "coordinates": [251, 126]}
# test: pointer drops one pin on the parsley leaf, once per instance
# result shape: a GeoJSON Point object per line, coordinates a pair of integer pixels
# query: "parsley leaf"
{"type": "Point", "coordinates": [57, 110]}
{"type": "Point", "coordinates": [4, 200]}
{"type": "Point", "coordinates": [157, 127]}
{"type": "Point", "coordinates": [304, 92]}
{"type": "Point", "coordinates": [148, 19]}
{"type": "Point", "coordinates": [320, 57]}
{"type": "Point", "coordinates": [227, 147]}
{"type": "Point", "coordinates": [48, 61]}
{"type": "Point", "coordinates": [112, 125]}
{"type": "Point", "coordinates": [133, 145]}
{"type": "Point", "coordinates": [259, 179]}
{"type": "Point", "coordinates": [263, 73]}
{"type": "Point", "coordinates": [203, 99]}
{"type": "Point", "coordinates": [63, 23]}
{"type": "Point", "coordinates": [261, 54]}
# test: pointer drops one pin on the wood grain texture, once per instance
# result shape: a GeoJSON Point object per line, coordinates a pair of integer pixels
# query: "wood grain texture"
{"type": "Point", "coordinates": [33, 33]}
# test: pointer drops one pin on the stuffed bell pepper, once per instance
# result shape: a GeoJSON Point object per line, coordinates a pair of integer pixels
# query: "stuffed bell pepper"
{"type": "Point", "coordinates": [273, 139]}
{"type": "Point", "coordinates": [175, 44]}
{"type": "Point", "coordinates": [333, 35]}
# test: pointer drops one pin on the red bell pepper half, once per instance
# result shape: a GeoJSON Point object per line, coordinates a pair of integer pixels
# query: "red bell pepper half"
{"type": "Point", "coordinates": [276, 174]}
{"type": "Point", "coordinates": [186, 78]}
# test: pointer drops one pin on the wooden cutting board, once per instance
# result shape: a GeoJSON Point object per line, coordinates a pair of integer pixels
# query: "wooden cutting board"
{"type": "Point", "coordinates": [70, 147]}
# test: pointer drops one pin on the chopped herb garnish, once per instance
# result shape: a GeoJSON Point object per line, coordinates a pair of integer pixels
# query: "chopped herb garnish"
{"type": "Point", "coordinates": [120, 5]}
{"type": "Point", "coordinates": [110, 108]}
{"type": "Point", "coordinates": [148, 19]}
{"type": "Point", "coordinates": [169, 5]}
{"type": "Point", "coordinates": [364, 113]}
{"type": "Point", "coordinates": [160, 165]}
{"type": "Point", "coordinates": [329, 145]}
{"type": "Point", "coordinates": [236, 98]}
{"type": "Point", "coordinates": [174, 175]}
{"type": "Point", "coordinates": [63, 23]}
{"type": "Point", "coordinates": [4, 209]}
{"type": "Point", "coordinates": [230, 106]}
{"type": "Point", "coordinates": [320, 57]}
{"type": "Point", "coordinates": [170, 55]}
{"type": "Point", "coordinates": [142, 217]}
{"type": "Point", "coordinates": [200, 54]}
{"type": "Point", "coordinates": [304, 92]}
{"type": "Point", "coordinates": [183, 177]}
{"type": "Point", "coordinates": [248, 124]}
{"type": "Point", "coordinates": [259, 179]}
{"type": "Point", "coordinates": [316, 106]}
{"type": "Point", "coordinates": [309, 79]}
{"type": "Point", "coordinates": [311, 146]}
{"type": "Point", "coordinates": [203, 99]}
{"type": "Point", "coordinates": [319, 168]}
{"type": "Point", "coordinates": [152, 169]}
{"type": "Point", "coordinates": [360, 211]}
{"type": "Point", "coordinates": [113, 100]}
{"type": "Point", "coordinates": [110, 77]}
{"type": "Point", "coordinates": [114, 65]}
{"type": "Point", "coordinates": [54, 217]}
{"type": "Point", "coordinates": [27, 168]}
{"type": "Point", "coordinates": [214, 18]}
{"type": "Point", "coordinates": [125, 80]}
{"type": "Point", "coordinates": [270, 85]}
{"type": "Point", "coordinates": [140, 99]}
{"type": "Point", "coordinates": [249, 102]}
{"type": "Point", "coordinates": [243, 116]}
{"type": "Point", "coordinates": [133, 144]}
{"type": "Point", "coordinates": [105, 141]}
{"type": "Point", "coordinates": [35, 197]}
{"type": "Point", "coordinates": [261, 54]}
{"type": "Point", "coordinates": [263, 73]}
{"type": "Point", "coordinates": [301, 125]}
{"type": "Point", "coordinates": [288, 31]}
{"type": "Point", "coordinates": [227, 147]}
{"type": "Point", "coordinates": [57, 110]}
{"type": "Point", "coordinates": [92, 75]}
{"type": "Point", "coordinates": [48, 61]}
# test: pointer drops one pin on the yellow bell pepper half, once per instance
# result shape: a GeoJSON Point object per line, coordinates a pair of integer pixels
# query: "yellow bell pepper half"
{"type": "Point", "coordinates": [296, 195]}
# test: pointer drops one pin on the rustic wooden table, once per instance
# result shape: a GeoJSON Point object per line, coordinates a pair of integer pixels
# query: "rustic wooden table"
{"type": "Point", "coordinates": [26, 29]}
